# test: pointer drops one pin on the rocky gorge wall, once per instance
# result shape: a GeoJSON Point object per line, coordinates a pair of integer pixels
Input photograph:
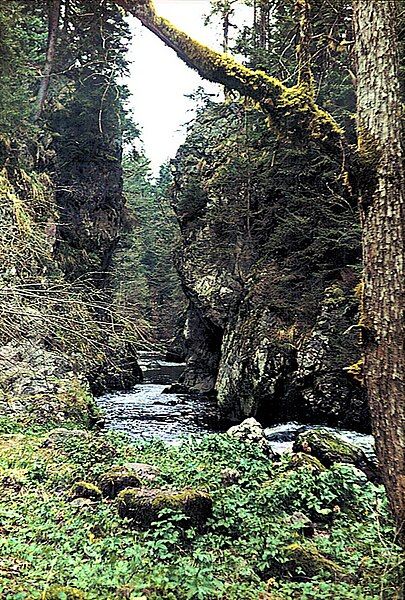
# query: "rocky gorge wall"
{"type": "Point", "coordinates": [269, 260]}
{"type": "Point", "coordinates": [55, 348]}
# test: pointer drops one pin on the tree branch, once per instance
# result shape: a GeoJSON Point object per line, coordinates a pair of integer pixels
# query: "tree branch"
{"type": "Point", "coordinates": [290, 111]}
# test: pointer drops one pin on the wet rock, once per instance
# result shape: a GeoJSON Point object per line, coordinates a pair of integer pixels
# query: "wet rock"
{"type": "Point", "coordinates": [84, 489]}
{"type": "Point", "coordinates": [251, 432]}
{"type": "Point", "coordinates": [230, 476]}
{"type": "Point", "coordinates": [330, 449]}
{"type": "Point", "coordinates": [118, 478]}
{"type": "Point", "coordinates": [143, 506]}
{"type": "Point", "coordinates": [176, 388]}
{"type": "Point", "coordinates": [307, 527]}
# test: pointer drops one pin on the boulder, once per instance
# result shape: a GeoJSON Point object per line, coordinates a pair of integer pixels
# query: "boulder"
{"type": "Point", "coordinates": [118, 478]}
{"type": "Point", "coordinates": [307, 561]}
{"type": "Point", "coordinates": [301, 460]}
{"type": "Point", "coordinates": [142, 506]}
{"type": "Point", "coordinates": [251, 432]}
{"type": "Point", "coordinates": [84, 489]}
{"type": "Point", "coordinates": [57, 438]}
{"type": "Point", "coordinates": [330, 449]}
{"type": "Point", "coordinates": [143, 470]}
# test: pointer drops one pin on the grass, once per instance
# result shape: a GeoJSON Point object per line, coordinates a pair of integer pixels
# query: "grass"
{"type": "Point", "coordinates": [53, 547]}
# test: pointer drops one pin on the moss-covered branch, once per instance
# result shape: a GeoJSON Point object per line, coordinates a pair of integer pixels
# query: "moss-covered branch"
{"type": "Point", "coordinates": [290, 110]}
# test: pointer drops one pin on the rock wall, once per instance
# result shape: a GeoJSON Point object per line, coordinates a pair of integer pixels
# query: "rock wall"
{"type": "Point", "coordinates": [270, 259]}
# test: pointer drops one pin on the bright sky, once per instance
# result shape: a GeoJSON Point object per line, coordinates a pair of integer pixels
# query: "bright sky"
{"type": "Point", "coordinates": [159, 79]}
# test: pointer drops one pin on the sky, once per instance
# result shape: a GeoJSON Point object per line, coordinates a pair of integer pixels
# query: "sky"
{"type": "Point", "coordinates": [159, 80]}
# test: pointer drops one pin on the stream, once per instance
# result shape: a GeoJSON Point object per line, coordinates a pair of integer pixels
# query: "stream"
{"type": "Point", "coordinates": [146, 412]}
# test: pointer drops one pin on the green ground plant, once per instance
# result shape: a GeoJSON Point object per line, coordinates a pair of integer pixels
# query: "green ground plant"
{"type": "Point", "coordinates": [53, 546]}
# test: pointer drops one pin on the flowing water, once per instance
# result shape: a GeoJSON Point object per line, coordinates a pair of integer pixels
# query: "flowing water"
{"type": "Point", "coordinates": [147, 412]}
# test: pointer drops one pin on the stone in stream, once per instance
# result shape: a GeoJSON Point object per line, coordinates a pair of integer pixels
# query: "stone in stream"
{"type": "Point", "coordinates": [118, 478]}
{"type": "Point", "coordinates": [251, 432]}
{"type": "Point", "coordinates": [329, 449]}
{"type": "Point", "coordinates": [142, 506]}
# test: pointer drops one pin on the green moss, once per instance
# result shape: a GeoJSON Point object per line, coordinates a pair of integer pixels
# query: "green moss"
{"type": "Point", "coordinates": [59, 592]}
{"type": "Point", "coordinates": [84, 489]}
{"type": "Point", "coordinates": [307, 560]}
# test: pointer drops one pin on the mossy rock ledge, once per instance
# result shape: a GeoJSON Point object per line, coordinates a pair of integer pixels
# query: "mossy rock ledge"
{"type": "Point", "coordinates": [329, 449]}
{"type": "Point", "coordinates": [143, 506]}
{"type": "Point", "coordinates": [117, 479]}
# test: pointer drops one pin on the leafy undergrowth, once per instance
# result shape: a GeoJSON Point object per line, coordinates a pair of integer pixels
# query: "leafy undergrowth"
{"type": "Point", "coordinates": [257, 545]}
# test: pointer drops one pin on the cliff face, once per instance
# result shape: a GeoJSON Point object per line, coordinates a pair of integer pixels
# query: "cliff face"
{"type": "Point", "coordinates": [89, 191]}
{"type": "Point", "coordinates": [59, 339]}
{"type": "Point", "coordinates": [43, 358]}
{"type": "Point", "coordinates": [269, 262]}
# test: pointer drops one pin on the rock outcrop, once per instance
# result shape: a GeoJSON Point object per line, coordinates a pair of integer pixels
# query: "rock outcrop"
{"type": "Point", "coordinates": [269, 261]}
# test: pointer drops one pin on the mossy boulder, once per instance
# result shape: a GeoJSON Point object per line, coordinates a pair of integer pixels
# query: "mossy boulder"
{"type": "Point", "coordinates": [84, 489]}
{"type": "Point", "coordinates": [117, 479]}
{"type": "Point", "coordinates": [301, 460]}
{"type": "Point", "coordinates": [307, 561]}
{"type": "Point", "coordinates": [61, 592]}
{"type": "Point", "coordinates": [143, 506]}
{"type": "Point", "coordinates": [329, 449]}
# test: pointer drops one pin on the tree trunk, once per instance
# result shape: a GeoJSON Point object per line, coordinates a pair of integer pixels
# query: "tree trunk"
{"type": "Point", "coordinates": [382, 194]}
{"type": "Point", "coordinates": [54, 9]}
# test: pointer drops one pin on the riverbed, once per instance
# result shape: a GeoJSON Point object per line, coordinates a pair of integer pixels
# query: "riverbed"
{"type": "Point", "coordinates": [147, 412]}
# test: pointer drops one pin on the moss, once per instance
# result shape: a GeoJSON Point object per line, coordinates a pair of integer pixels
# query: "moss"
{"type": "Point", "coordinates": [59, 592]}
{"type": "Point", "coordinates": [356, 370]}
{"type": "Point", "coordinates": [307, 560]}
{"type": "Point", "coordinates": [84, 489]}
{"type": "Point", "coordinates": [144, 506]}
{"type": "Point", "coordinates": [301, 460]}
{"type": "Point", "coordinates": [118, 479]}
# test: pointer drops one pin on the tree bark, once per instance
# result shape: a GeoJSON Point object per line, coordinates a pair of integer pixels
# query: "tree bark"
{"type": "Point", "coordinates": [54, 9]}
{"type": "Point", "coordinates": [382, 201]}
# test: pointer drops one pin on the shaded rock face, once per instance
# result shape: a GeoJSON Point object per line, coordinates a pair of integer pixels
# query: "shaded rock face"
{"type": "Point", "coordinates": [90, 197]}
{"type": "Point", "coordinates": [270, 259]}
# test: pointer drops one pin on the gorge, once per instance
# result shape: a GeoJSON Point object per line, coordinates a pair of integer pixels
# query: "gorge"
{"type": "Point", "coordinates": [193, 363]}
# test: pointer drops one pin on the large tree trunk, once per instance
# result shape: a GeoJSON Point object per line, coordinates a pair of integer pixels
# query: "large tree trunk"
{"type": "Point", "coordinates": [54, 9]}
{"type": "Point", "coordinates": [382, 209]}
